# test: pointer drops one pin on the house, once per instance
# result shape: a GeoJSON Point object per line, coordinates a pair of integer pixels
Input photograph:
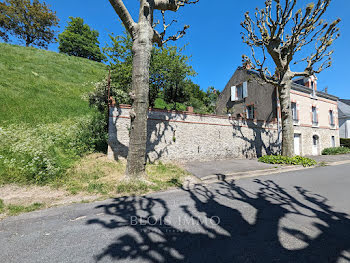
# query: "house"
{"type": "Point", "coordinates": [344, 118]}
{"type": "Point", "coordinates": [315, 113]}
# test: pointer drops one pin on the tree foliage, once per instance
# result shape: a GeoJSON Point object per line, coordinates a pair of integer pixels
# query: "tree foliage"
{"type": "Point", "coordinates": [170, 81]}
{"type": "Point", "coordinates": [280, 31]}
{"type": "Point", "coordinates": [79, 40]}
{"type": "Point", "coordinates": [29, 20]}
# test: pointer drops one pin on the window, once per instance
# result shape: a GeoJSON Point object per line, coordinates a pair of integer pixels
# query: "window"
{"type": "Point", "coordinates": [331, 118]}
{"type": "Point", "coordinates": [294, 112]}
{"type": "Point", "coordinates": [313, 86]}
{"type": "Point", "coordinates": [314, 116]}
{"type": "Point", "coordinates": [239, 92]}
{"type": "Point", "coordinates": [333, 141]}
{"type": "Point", "coordinates": [250, 112]}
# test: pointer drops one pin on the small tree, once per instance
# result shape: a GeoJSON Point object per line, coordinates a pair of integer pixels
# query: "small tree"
{"type": "Point", "coordinates": [3, 22]}
{"type": "Point", "coordinates": [79, 40]}
{"type": "Point", "coordinates": [143, 35]}
{"type": "Point", "coordinates": [30, 21]}
{"type": "Point", "coordinates": [167, 66]}
{"type": "Point", "coordinates": [281, 31]}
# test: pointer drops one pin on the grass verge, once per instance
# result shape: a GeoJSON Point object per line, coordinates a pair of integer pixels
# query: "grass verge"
{"type": "Point", "coordinates": [92, 178]}
{"type": "Point", "coordinates": [279, 159]}
{"type": "Point", "coordinates": [336, 151]}
{"type": "Point", "coordinates": [13, 210]}
{"type": "Point", "coordinates": [95, 174]}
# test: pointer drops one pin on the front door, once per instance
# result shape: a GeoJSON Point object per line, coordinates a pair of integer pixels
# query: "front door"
{"type": "Point", "coordinates": [315, 145]}
{"type": "Point", "coordinates": [297, 144]}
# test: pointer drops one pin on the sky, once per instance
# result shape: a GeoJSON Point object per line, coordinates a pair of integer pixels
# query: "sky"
{"type": "Point", "coordinates": [213, 40]}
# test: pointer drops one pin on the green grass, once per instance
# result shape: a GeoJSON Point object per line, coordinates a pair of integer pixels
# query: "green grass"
{"type": "Point", "coordinates": [335, 151]}
{"type": "Point", "coordinates": [39, 86]}
{"type": "Point", "coordinates": [13, 210]}
{"type": "Point", "coordinates": [95, 174]}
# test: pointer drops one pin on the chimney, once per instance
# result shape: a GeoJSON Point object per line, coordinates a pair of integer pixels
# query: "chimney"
{"type": "Point", "coordinates": [311, 82]}
{"type": "Point", "coordinates": [247, 65]}
{"type": "Point", "coordinates": [189, 109]}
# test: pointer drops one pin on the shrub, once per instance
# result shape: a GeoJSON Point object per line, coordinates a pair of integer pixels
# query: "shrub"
{"type": "Point", "coordinates": [279, 159]}
{"type": "Point", "coordinates": [336, 150]}
{"type": "Point", "coordinates": [345, 142]}
{"type": "Point", "coordinates": [42, 153]}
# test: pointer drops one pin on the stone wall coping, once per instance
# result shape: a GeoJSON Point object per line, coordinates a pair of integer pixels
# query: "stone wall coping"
{"type": "Point", "coordinates": [152, 110]}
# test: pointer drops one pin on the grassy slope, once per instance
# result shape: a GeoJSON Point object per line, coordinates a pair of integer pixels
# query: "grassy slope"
{"type": "Point", "coordinates": [38, 86]}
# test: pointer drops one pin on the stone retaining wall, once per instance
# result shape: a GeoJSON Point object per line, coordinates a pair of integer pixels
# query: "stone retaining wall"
{"type": "Point", "coordinates": [184, 136]}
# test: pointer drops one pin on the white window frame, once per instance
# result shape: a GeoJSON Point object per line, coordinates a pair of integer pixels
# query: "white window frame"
{"type": "Point", "coordinates": [295, 111]}
{"type": "Point", "coordinates": [314, 115]}
{"type": "Point", "coordinates": [331, 118]}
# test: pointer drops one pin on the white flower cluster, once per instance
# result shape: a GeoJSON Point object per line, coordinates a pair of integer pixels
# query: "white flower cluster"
{"type": "Point", "coordinates": [43, 152]}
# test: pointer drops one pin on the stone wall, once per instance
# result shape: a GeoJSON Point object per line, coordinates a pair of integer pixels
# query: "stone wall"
{"type": "Point", "coordinates": [183, 136]}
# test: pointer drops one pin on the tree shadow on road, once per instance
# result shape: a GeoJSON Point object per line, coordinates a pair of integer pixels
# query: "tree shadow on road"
{"type": "Point", "coordinates": [213, 226]}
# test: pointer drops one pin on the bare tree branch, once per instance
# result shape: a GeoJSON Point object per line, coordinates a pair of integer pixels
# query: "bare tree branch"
{"type": "Point", "coordinates": [268, 31]}
{"type": "Point", "coordinates": [124, 15]}
{"type": "Point", "coordinates": [172, 5]}
{"type": "Point", "coordinates": [159, 38]}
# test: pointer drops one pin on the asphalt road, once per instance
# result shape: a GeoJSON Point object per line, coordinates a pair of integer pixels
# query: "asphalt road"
{"type": "Point", "coordinates": [298, 216]}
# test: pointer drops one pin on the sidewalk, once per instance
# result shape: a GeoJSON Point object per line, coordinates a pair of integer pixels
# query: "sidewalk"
{"type": "Point", "coordinates": [236, 168]}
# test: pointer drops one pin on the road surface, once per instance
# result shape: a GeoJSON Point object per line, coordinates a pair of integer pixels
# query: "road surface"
{"type": "Point", "coordinates": [300, 216]}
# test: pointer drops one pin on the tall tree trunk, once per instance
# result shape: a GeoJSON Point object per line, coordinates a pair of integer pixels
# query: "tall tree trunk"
{"type": "Point", "coordinates": [287, 120]}
{"type": "Point", "coordinates": [142, 47]}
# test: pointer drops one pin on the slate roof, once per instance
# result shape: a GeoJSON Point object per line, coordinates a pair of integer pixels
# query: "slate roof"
{"type": "Point", "coordinates": [299, 86]}
{"type": "Point", "coordinates": [345, 101]}
{"type": "Point", "coordinates": [344, 109]}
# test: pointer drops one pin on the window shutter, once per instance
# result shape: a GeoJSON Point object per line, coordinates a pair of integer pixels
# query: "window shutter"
{"type": "Point", "coordinates": [245, 89]}
{"type": "Point", "coordinates": [233, 93]}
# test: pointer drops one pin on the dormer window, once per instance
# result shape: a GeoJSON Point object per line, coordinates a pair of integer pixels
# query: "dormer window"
{"type": "Point", "coordinates": [311, 82]}
{"type": "Point", "coordinates": [313, 87]}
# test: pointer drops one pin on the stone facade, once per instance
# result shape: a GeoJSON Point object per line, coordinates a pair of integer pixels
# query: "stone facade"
{"type": "Point", "coordinates": [184, 136]}
{"type": "Point", "coordinates": [325, 134]}
{"type": "Point", "coordinates": [311, 137]}
{"type": "Point", "coordinates": [263, 97]}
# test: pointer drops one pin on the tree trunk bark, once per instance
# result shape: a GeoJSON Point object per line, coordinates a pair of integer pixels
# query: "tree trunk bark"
{"type": "Point", "coordinates": [287, 120]}
{"type": "Point", "coordinates": [142, 47]}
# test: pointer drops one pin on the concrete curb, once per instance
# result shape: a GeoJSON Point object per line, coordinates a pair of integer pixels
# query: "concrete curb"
{"type": "Point", "coordinates": [241, 175]}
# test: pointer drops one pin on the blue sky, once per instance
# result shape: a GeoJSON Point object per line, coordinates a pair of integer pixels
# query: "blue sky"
{"type": "Point", "coordinates": [214, 41]}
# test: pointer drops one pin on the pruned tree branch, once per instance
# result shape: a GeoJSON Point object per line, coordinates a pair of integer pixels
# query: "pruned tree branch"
{"type": "Point", "coordinates": [267, 33]}
{"type": "Point", "coordinates": [124, 15]}
{"type": "Point", "coordinates": [160, 39]}
{"type": "Point", "coordinates": [172, 5]}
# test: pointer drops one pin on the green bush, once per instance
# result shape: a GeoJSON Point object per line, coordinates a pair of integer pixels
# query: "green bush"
{"type": "Point", "coordinates": [279, 159]}
{"type": "Point", "coordinates": [335, 151]}
{"type": "Point", "coordinates": [42, 153]}
{"type": "Point", "coordinates": [345, 142]}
